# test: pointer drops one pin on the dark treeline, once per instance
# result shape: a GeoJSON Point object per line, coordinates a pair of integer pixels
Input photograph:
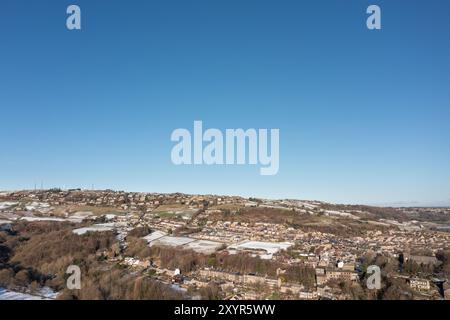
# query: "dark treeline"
{"type": "Point", "coordinates": [376, 212]}
{"type": "Point", "coordinates": [118, 284]}
{"type": "Point", "coordinates": [37, 254]}
{"type": "Point", "coordinates": [304, 222]}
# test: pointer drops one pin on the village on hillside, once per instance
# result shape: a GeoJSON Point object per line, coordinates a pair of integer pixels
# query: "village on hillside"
{"type": "Point", "coordinates": [223, 247]}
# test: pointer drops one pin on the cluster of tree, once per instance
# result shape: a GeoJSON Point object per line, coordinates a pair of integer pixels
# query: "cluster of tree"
{"type": "Point", "coordinates": [395, 289]}
{"type": "Point", "coordinates": [391, 289]}
{"type": "Point", "coordinates": [430, 215]}
{"type": "Point", "coordinates": [257, 200]}
{"type": "Point", "coordinates": [305, 222]}
{"type": "Point", "coordinates": [118, 284]}
{"type": "Point", "coordinates": [188, 260]}
{"type": "Point", "coordinates": [137, 247]}
{"type": "Point", "coordinates": [386, 263]}
{"type": "Point", "coordinates": [301, 274]}
{"type": "Point", "coordinates": [344, 227]}
{"type": "Point", "coordinates": [140, 232]}
{"type": "Point", "coordinates": [41, 252]}
{"type": "Point", "coordinates": [184, 231]}
{"type": "Point", "coordinates": [269, 215]}
{"type": "Point", "coordinates": [245, 264]}
{"type": "Point", "coordinates": [353, 291]}
{"type": "Point", "coordinates": [444, 257]}
{"type": "Point", "coordinates": [52, 252]}
{"type": "Point", "coordinates": [411, 267]}
{"type": "Point", "coordinates": [210, 292]}
{"type": "Point", "coordinates": [37, 254]}
{"type": "Point", "coordinates": [20, 278]}
{"type": "Point", "coordinates": [177, 258]}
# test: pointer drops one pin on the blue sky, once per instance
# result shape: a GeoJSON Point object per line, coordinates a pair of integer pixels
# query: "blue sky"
{"type": "Point", "coordinates": [363, 115]}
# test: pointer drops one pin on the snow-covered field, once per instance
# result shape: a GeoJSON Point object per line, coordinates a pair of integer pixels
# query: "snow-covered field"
{"type": "Point", "coordinates": [44, 294]}
{"type": "Point", "coordinates": [154, 236]}
{"type": "Point", "coordinates": [37, 205]}
{"type": "Point", "coordinates": [79, 216]}
{"type": "Point", "coordinates": [95, 228]}
{"type": "Point", "coordinates": [7, 204]}
{"type": "Point", "coordinates": [110, 216]}
{"type": "Point", "coordinates": [269, 247]}
{"type": "Point", "coordinates": [74, 218]}
{"type": "Point", "coordinates": [33, 219]}
{"type": "Point", "coordinates": [171, 241]}
{"type": "Point", "coordinates": [204, 246]}
{"type": "Point", "coordinates": [8, 216]}
{"type": "Point", "coordinates": [341, 214]}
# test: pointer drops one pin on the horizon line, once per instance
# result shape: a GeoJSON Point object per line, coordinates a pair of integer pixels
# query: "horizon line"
{"type": "Point", "coordinates": [392, 204]}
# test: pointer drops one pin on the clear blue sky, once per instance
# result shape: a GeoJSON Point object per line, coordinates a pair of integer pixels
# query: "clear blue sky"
{"type": "Point", "coordinates": [363, 115]}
